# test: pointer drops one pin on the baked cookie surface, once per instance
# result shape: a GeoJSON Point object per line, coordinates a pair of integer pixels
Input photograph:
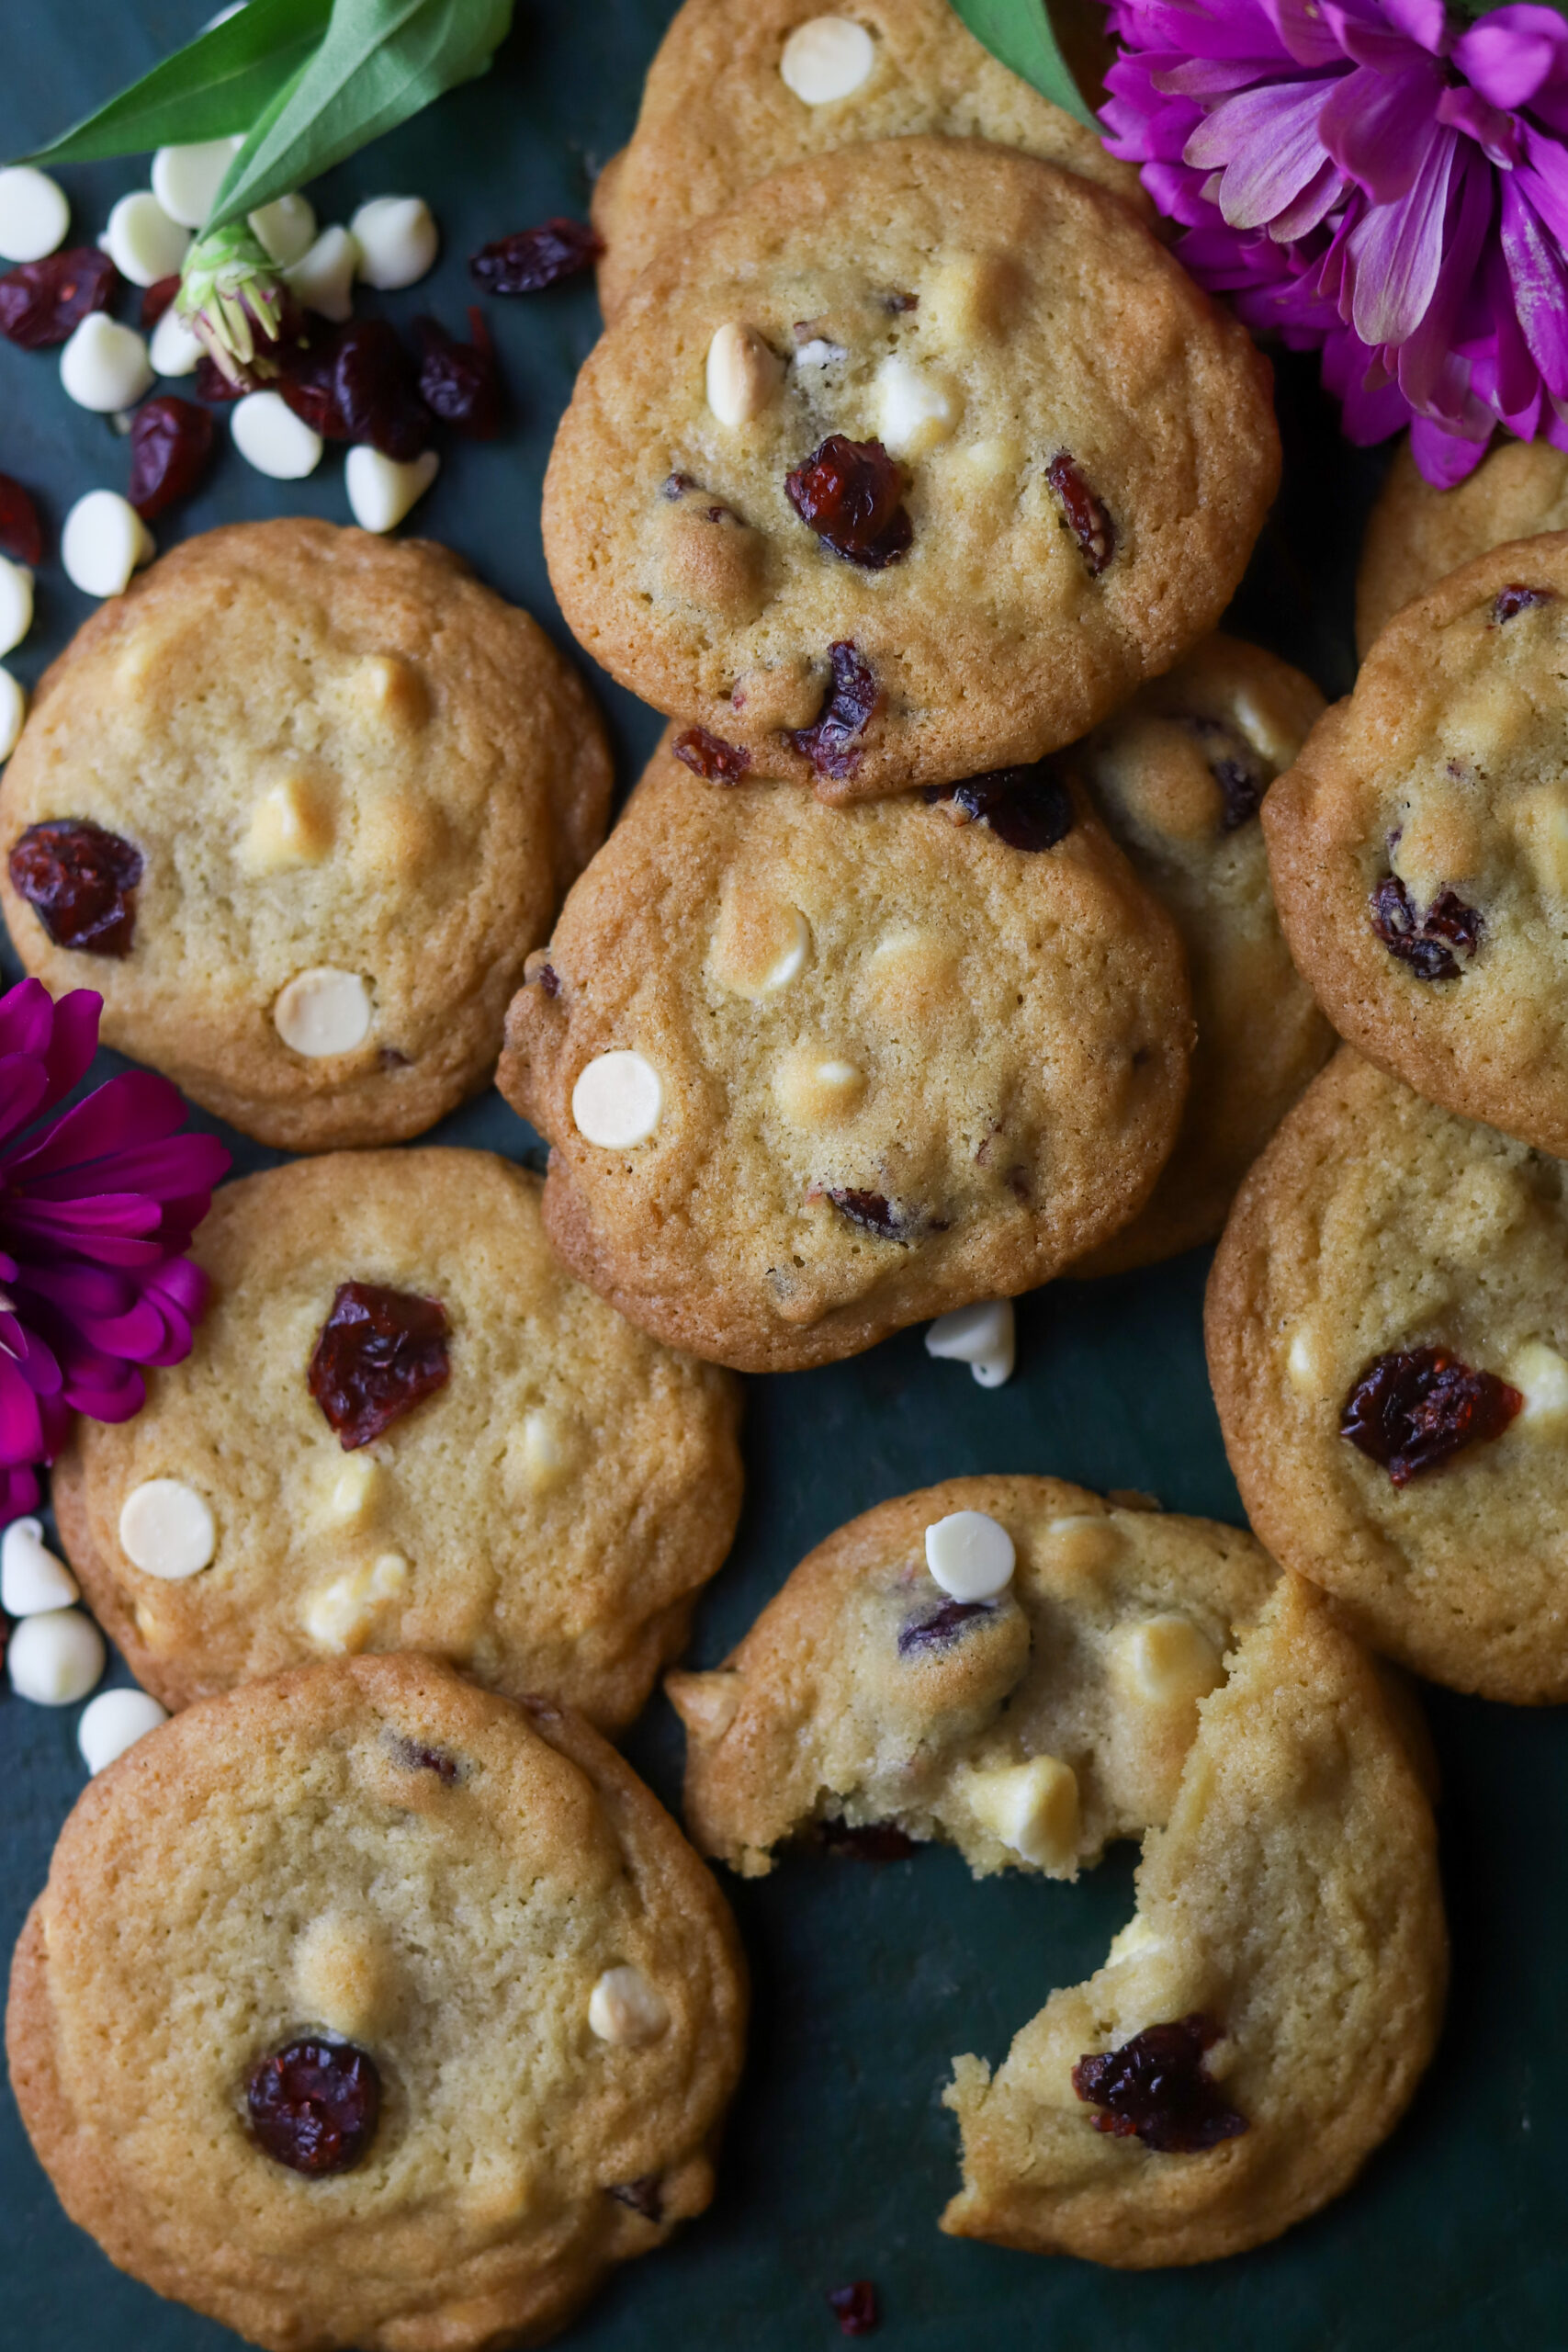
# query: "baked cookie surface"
{"type": "Point", "coordinates": [1390, 1268]}
{"type": "Point", "coordinates": [1416, 535]}
{"type": "Point", "coordinates": [372, 1874]}
{"type": "Point", "coordinates": [1180, 776]}
{"type": "Point", "coordinates": [720, 111]}
{"type": "Point", "coordinates": [810, 1075]}
{"type": "Point", "coordinates": [404, 1425]}
{"type": "Point", "coordinates": [910, 465]}
{"type": "Point", "coordinates": [1419, 846]}
{"type": "Point", "coordinates": [298, 804]}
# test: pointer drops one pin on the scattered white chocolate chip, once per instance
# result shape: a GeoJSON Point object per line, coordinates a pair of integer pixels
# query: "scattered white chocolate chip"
{"type": "Point", "coordinates": [339, 1616]}
{"type": "Point", "coordinates": [983, 1335]}
{"type": "Point", "coordinates": [818, 1089]}
{"type": "Point", "coordinates": [175, 348]}
{"type": "Point", "coordinates": [186, 180]}
{"type": "Point", "coordinates": [285, 230]}
{"type": "Point", "coordinates": [970, 1554]}
{"type": "Point", "coordinates": [142, 240]}
{"type": "Point", "coordinates": [31, 1578]}
{"type": "Point", "coordinates": [342, 1973]}
{"type": "Point", "coordinates": [104, 366]}
{"type": "Point", "coordinates": [323, 279]}
{"type": "Point", "coordinates": [819, 353]}
{"type": "Point", "coordinates": [915, 408]}
{"type": "Point", "coordinates": [166, 1529]}
{"type": "Point", "coordinates": [397, 240]}
{"type": "Point", "coordinates": [269, 436]}
{"type": "Point", "coordinates": [1165, 1661]}
{"type": "Point", "coordinates": [1083, 1542]}
{"type": "Point", "coordinates": [55, 1658]}
{"type": "Point", "coordinates": [624, 2006]}
{"type": "Point", "coordinates": [16, 602]}
{"type": "Point", "coordinates": [760, 944]}
{"type": "Point", "coordinates": [743, 374]}
{"type": "Point", "coordinates": [1265, 729]}
{"type": "Point", "coordinates": [543, 1458]}
{"type": "Point", "coordinates": [827, 58]}
{"type": "Point", "coordinates": [353, 1494]}
{"type": "Point", "coordinates": [390, 1577]}
{"type": "Point", "coordinates": [287, 829]}
{"type": "Point", "coordinates": [1301, 1363]}
{"type": "Point", "coordinates": [617, 1101]}
{"type": "Point", "coordinates": [34, 215]}
{"type": "Point", "coordinates": [323, 1012]}
{"type": "Point", "coordinates": [104, 541]}
{"type": "Point", "coordinates": [381, 491]}
{"type": "Point", "coordinates": [13, 711]}
{"type": "Point", "coordinates": [1540, 1376]}
{"type": "Point", "coordinates": [115, 1721]}
{"type": "Point", "coordinates": [1033, 1808]}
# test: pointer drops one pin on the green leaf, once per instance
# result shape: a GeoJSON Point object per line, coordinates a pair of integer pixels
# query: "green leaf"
{"type": "Point", "coordinates": [1019, 32]}
{"type": "Point", "coordinates": [380, 61]}
{"type": "Point", "coordinates": [213, 88]}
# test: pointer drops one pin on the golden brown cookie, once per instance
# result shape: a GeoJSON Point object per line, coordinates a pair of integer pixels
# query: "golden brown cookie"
{"type": "Point", "coordinates": [298, 804]}
{"type": "Point", "coordinates": [1418, 535]}
{"type": "Point", "coordinates": [404, 1425]}
{"type": "Point", "coordinates": [364, 2009]}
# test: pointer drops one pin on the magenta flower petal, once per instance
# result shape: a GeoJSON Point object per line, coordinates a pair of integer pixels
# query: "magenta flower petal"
{"type": "Point", "coordinates": [1378, 128]}
{"type": "Point", "coordinates": [1268, 142]}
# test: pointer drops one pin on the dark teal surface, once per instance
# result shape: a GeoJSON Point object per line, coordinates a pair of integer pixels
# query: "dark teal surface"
{"type": "Point", "coordinates": [868, 1978]}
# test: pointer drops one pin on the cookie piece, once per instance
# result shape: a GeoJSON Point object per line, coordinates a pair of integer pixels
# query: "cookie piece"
{"type": "Point", "coordinates": [811, 1075]}
{"type": "Point", "coordinates": [1418, 535]}
{"type": "Point", "coordinates": [722, 109]}
{"type": "Point", "coordinates": [464, 1930]}
{"type": "Point", "coordinates": [298, 804]}
{"type": "Point", "coordinates": [1029, 1728]}
{"type": "Point", "coordinates": [1261, 2023]}
{"type": "Point", "coordinates": [910, 465]}
{"type": "Point", "coordinates": [403, 1426]}
{"type": "Point", "coordinates": [1179, 775]}
{"type": "Point", "coordinates": [1388, 1341]}
{"type": "Point", "coordinates": [1419, 846]}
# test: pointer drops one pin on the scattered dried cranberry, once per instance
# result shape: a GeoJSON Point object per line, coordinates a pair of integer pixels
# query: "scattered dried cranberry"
{"type": "Point", "coordinates": [1235, 767]}
{"type": "Point", "coordinates": [710, 756]}
{"type": "Point", "coordinates": [939, 1626]}
{"type": "Point", "coordinates": [1028, 807]}
{"type": "Point", "coordinates": [644, 2195]}
{"type": "Point", "coordinates": [854, 2307]}
{"type": "Point", "coordinates": [1086, 518]}
{"type": "Point", "coordinates": [1426, 942]}
{"type": "Point", "coordinates": [460, 382]}
{"type": "Point", "coordinates": [549, 979]}
{"type": "Point", "coordinates": [157, 299]}
{"type": "Point", "coordinates": [170, 444]}
{"type": "Point", "coordinates": [314, 2105]}
{"type": "Point", "coordinates": [848, 493]}
{"type": "Point", "coordinates": [42, 302]}
{"type": "Point", "coordinates": [1516, 598]}
{"type": "Point", "coordinates": [533, 258]}
{"type": "Point", "coordinates": [869, 1210]}
{"type": "Point", "coordinates": [21, 532]}
{"type": "Point", "coordinates": [853, 700]}
{"type": "Point", "coordinates": [416, 1758]}
{"type": "Point", "coordinates": [872, 1841]}
{"type": "Point", "coordinates": [1156, 2088]}
{"type": "Point", "coordinates": [1414, 1409]}
{"type": "Point", "coordinates": [212, 384]}
{"type": "Point", "coordinates": [379, 1352]}
{"type": "Point", "coordinates": [79, 878]}
{"type": "Point", "coordinates": [356, 382]}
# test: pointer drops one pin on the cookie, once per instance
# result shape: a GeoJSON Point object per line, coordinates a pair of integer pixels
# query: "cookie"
{"type": "Point", "coordinates": [810, 1074]}
{"type": "Point", "coordinates": [1418, 535]}
{"type": "Point", "coordinates": [910, 465]}
{"type": "Point", "coordinates": [364, 2009]}
{"type": "Point", "coordinates": [298, 804]}
{"type": "Point", "coordinates": [1419, 846]}
{"type": "Point", "coordinates": [1179, 775]}
{"type": "Point", "coordinates": [740, 88]}
{"type": "Point", "coordinates": [1388, 1341]}
{"type": "Point", "coordinates": [403, 1426]}
{"type": "Point", "coordinates": [1030, 1724]}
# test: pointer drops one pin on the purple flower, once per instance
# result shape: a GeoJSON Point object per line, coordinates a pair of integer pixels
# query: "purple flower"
{"type": "Point", "coordinates": [96, 1205]}
{"type": "Point", "coordinates": [1367, 179]}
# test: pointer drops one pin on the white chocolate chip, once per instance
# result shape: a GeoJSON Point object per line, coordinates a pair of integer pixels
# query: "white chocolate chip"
{"type": "Point", "coordinates": [342, 1973]}
{"type": "Point", "coordinates": [115, 1721]}
{"type": "Point", "coordinates": [381, 491]}
{"type": "Point", "coordinates": [354, 1490]}
{"type": "Point", "coordinates": [617, 1101]}
{"type": "Point", "coordinates": [166, 1529]}
{"type": "Point", "coordinates": [1265, 729]}
{"type": "Point", "coordinates": [1540, 1376]}
{"type": "Point", "coordinates": [970, 1554]}
{"type": "Point", "coordinates": [818, 1089]}
{"type": "Point", "coordinates": [55, 1658]}
{"type": "Point", "coordinates": [269, 436]}
{"type": "Point", "coordinates": [390, 1577]}
{"type": "Point", "coordinates": [397, 240]}
{"type": "Point", "coordinates": [16, 602]}
{"type": "Point", "coordinates": [743, 374]}
{"type": "Point", "coordinates": [176, 347]}
{"type": "Point", "coordinates": [916, 409]}
{"type": "Point", "coordinates": [13, 712]}
{"type": "Point", "coordinates": [624, 2006]}
{"type": "Point", "coordinates": [827, 58]}
{"type": "Point", "coordinates": [104, 540]}
{"type": "Point", "coordinates": [1084, 1543]}
{"type": "Point", "coordinates": [34, 215]}
{"type": "Point", "coordinates": [1301, 1363]}
{"type": "Point", "coordinates": [339, 1616]}
{"type": "Point", "coordinates": [760, 944]}
{"type": "Point", "coordinates": [1165, 1661]}
{"type": "Point", "coordinates": [31, 1578]}
{"type": "Point", "coordinates": [104, 366]}
{"type": "Point", "coordinates": [323, 1012]}
{"type": "Point", "coordinates": [285, 230]}
{"type": "Point", "coordinates": [992, 461]}
{"type": "Point", "coordinates": [287, 829]}
{"type": "Point", "coordinates": [186, 180]}
{"type": "Point", "coordinates": [1033, 1808]}
{"type": "Point", "coordinates": [983, 1335]}
{"type": "Point", "coordinates": [142, 240]}
{"type": "Point", "coordinates": [323, 279]}
{"type": "Point", "coordinates": [819, 353]}
{"type": "Point", "coordinates": [545, 1461]}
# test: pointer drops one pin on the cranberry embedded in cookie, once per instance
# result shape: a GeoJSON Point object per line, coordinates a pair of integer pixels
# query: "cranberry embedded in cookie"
{"type": "Point", "coordinates": [80, 879]}
{"type": "Point", "coordinates": [380, 1352]}
{"type": "Point", "coordinates": [314, 2105]}
{"type": "Point", "coordinates": [1157, 2088]}
{"type": "Point", "coordinates": [1414, 1409]}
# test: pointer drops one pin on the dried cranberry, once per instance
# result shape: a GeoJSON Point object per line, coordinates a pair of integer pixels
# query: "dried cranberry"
{"type": "Point", "coordinates": [356, 382]}
{"type": "Point", "coordinates": [533, 258]}
{"type": "Point", "coordinates": [21, 532]}
{"type": "Point", "coordinates": [314, 2105]}
{"type": "Point", "coordinates": [854, 2307]}
{"type": "Point", "coordinates": [644, 2196]}
{"type": "Point", "coordinates": [79, 878]}
{"type": "Point", "coordinates": [869, 1210]}
{"type": "Point", "coordinates": [710, 756]}
{"type": "Point", "coordinates": [380, 1352]}
{"type": "Point", "coordinates": [1157, 2088]}
{"type": "Point", "coordinates": [872, 1841]}
{"type": "Point", "coordinates": [1516, 598]}
{"type": "Point", "coordinates": [1028, 807]}
{"type": "Point", "coordinates": [1086, 518]}
{"type": "Point", "coordinates": [939, 1626]}
{"type": "Point", "coordinates": [212, 384]}
{"type": "Point", "coordinates": [1425, 941]}
{"type": "Point", "coordinates": [895, 303]}
{"type": "Point", "coordinates": [1235, 767]}
{"type": "Point", "coordinates": [853, 700]}
{"type": "Point", "coordinates": [43, 301]}
{"type": "Point", "coordinates": [170, 444]}
{"type": "Point", "coordinates": [413, 1757]}
{"type": "Point", "coordinates": [460, 382]}
{"type": "Point", "coordinates": [848, 493]}
{"type": "Point", "coordinates": [157, 299]}
{"type": "Point", "coordinates": [549, 979]}
{"type": "Point", "coordinates": [1414, 1409]}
